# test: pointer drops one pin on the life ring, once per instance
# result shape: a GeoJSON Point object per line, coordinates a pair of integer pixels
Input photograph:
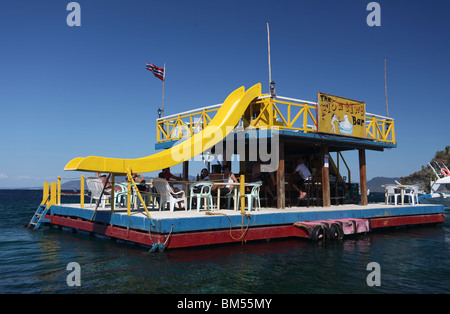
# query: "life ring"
{"type": "Point", "coordinates": [445, 172]}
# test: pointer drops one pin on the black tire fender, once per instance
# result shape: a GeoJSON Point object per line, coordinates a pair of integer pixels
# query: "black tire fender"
{"type": "Point", "coordinates": [317, 232]}
{"type": "Point", "coordinates": [335, 232]}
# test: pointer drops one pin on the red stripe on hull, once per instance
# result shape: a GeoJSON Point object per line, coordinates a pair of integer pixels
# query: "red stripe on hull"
{"type": "Point", "coordinates": [406, 220]}
{"type": "Point", "coordinates": [189, 239]}
{"type": "Point", "coordinates": [179, 240]}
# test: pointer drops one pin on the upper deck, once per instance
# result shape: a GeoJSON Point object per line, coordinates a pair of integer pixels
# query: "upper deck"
{"type": "Point", "coordinates": [289, 116]}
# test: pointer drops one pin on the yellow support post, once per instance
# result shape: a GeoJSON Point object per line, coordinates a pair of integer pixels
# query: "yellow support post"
{"type": "Point", "coordinates": [45, 193]}
{"type": "Point", "coordinates": [271, 112]}
{"type": "Point", "coordinates": [130, 179]}
{"type": "Point", "coordinates": [242, 190]}
{"type": "Point", "coordinates": [305, 120]}
{"type": "Point", "coordinates": [129, 197]}
{"type": "Point", "coordinates": [391, 127]}
{"type": "Point", "coordinates": [59, 190]}
{"type": "Point", "coordinates": [82, 191]}
{"type": "Point", "coordinates": [53, 197]}
{"type": "Point", "coordinates": [113, 185]}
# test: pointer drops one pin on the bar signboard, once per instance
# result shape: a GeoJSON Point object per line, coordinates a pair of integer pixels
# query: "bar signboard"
{"type": "Point", "coordinates": [341, 116]}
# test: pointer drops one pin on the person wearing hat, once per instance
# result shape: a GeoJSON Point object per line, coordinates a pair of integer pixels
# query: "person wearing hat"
{"type": "Point", "coordinates": [107, 184]}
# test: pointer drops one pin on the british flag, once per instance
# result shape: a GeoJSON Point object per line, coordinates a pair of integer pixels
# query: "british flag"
{"type": "Point", "coordinates": [158, 72]}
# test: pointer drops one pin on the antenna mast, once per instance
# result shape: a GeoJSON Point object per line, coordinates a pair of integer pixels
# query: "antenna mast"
{"type": "Point", "coordinates": [271, 83]}
{"type": "Point", "coordinates": [385, 89]}
{"type": "Point", "coordinates": [268, 48]}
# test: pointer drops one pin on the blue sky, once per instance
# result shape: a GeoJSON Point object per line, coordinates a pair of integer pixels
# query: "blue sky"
{"type": "Point", "coordinates": [78, 91]}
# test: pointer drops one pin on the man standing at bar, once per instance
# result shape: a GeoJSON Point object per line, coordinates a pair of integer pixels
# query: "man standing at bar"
{"type": "Point", "coordinates": [305, 174]}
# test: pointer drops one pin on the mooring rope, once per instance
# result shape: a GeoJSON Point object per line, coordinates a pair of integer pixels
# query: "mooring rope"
{"type": "Point", "coordinates": [159, 246]}
{"type": "Point", "coordinates": [243, 233]}
{"type": "Point", "coordinates": [168, 236]}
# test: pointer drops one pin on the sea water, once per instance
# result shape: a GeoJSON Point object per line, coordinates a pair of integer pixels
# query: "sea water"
{"type": "Point", "coordinates": [410, 260]}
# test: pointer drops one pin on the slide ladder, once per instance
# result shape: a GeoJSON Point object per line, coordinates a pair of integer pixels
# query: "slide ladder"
{"type": "Point", "coordinates": [48, 200]}
{"type": "Point", "coordinates": [39, 217]}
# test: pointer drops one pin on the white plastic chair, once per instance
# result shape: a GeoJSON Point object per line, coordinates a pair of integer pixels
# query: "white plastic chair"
{"type": "Point", "coordinates": [391, 190]}
{"type": "Point", "coordinates": [413, 194]}
{"type": "Point", "coordinates": [253, 195]}
{"type": "Point", "coordinates": [121, 196]}
{"type": "Point", "coordinates": [229, 197]}
{"type": "Point", "coordinates": [167, 195]}
{"type": "Point", "coordinates": [204, 193]}
{"type": "Point", "coordinates": [95, 186]}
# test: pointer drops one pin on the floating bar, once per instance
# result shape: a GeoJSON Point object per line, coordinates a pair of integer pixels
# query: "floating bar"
{"type": "Point", "coordinates": [191, 228]}
{"type": "Point", "coordinates": [290, 127]}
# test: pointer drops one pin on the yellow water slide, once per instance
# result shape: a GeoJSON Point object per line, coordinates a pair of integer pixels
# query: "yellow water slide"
{"type": "Point", "coordinates": [226, 117]}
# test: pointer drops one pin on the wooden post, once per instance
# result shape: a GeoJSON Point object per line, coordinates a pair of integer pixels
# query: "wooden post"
{"type": "Point", "coordinates": [242, 167]}
{"type": "Point", "coordinates": [363, 176]}
{"type": "Point", "coordinates": [186, 170]}
{"type": "Point", "coordinates": [243, 160]}
{"type": "Point", "coordinates": [325, 177]}
{"type": "Point", "coordinates": [281, 201]}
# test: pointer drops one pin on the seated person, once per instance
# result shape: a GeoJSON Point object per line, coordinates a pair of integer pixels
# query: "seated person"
{"type": "Point", "coordinates": [139, 178]}
{"type": "Point", "coordinates": [166, 174]}
{"type": "Point", "coordinates": [304, 174]}
{"type": "Point", "coordinates": [169, 175]}
{"type": "Point", "coordinates": [228, 177]}
{"type": "Point", "coordinates": [108, 184]}
{"type": "Point", "coordinates": [204, 176]}
{"type": "Point", "coordinates": [161, 175]}
{"type": "Point", "coordinates": [267, 178]}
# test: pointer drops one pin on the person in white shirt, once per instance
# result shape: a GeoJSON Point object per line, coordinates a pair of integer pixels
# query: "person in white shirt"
{"type": "Point", "coordinates": [305, 174]}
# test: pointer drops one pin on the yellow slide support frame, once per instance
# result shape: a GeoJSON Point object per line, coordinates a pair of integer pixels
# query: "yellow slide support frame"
{"type": "Point", "coordinates": [228, 115]}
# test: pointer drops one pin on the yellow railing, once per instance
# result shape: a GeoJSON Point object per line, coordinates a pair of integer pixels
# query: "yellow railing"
{"type": "Point", "coordinates": [285, 115]}
{"type": "Point", "coordinates": [266, 112]}
{"type": "Point", "coordinates": [51, 193]}
{"type": "Point", "coordinates": [380, 128]}
{"type": "Point", "coordinates": [186, 124]}
{"type": "Point", "coordinates": [58, 190]}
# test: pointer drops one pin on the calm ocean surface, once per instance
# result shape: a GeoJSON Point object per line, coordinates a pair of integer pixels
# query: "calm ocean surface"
{"type": "Point", "coordinates": [412, 260]}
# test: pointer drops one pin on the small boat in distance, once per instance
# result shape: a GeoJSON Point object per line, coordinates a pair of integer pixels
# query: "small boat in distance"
{"type": "Point", "coordinates": [440, 188]}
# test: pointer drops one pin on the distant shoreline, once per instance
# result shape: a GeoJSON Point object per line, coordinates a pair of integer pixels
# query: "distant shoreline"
{"type": "Point", "coordinates": [374, 185]}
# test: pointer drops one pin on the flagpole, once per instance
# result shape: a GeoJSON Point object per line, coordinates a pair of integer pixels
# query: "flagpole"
{"type": "Point", "coordinates": [268, 48]}
{"type": "Point", "coordinates": [164, 82]}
